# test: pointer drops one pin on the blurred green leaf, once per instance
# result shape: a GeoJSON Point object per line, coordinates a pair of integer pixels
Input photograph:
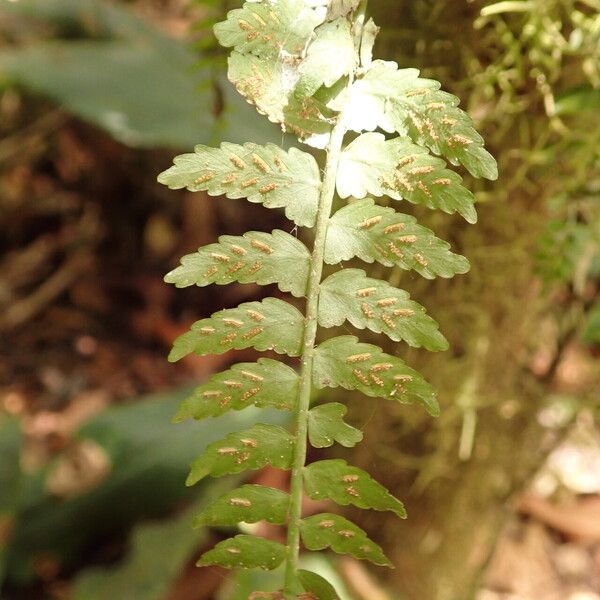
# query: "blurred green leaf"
{"type": "Point", "coordinates": [142, 94]}
{"type": "Point", "coordinates": [577, 99]}
{"type": "Point", "coordinates": [10, 444]}
{"type": "Point", "coordinates": [591, 334]}
{"type": "Point", "coordinates": [124, 75]}
{"type": "Point", "coordinates": [159, 552]}
{"type": "Point", "coordinates": [246, 552]}
{"type": "Point", "coordinates": [149, 465]}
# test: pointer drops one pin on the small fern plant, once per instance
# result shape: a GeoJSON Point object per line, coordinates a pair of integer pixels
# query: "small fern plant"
{"type": "Point", "coordinates": [307, 65]}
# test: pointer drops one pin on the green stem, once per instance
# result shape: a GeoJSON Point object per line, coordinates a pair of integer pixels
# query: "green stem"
{"type": "Point", "coordinates": [310, 333]}
{"type": "Point", "coordinates": [334, 150]}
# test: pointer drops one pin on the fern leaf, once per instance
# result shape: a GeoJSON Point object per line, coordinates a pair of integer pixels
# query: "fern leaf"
{"type": "Point", "coordinates": [376, 233]}
{"type": "Point", "coordinates": [370, 32]}
{"type": "Point", "coordinates": [266, 383]}
{"type": "Point", "coordinates": [326, 425]}
{"type": "Point", "coordinates": [250, 449]}
{"type": "Point", "coordinates": [376, 305]}
{"type": "Point", "coordinates": [270, 86]}
{"type": "Point", "coordinates": [329, 57]}
{"type": "Point", "coordinates": [268, 325]}
{"type": "Point", "coordinates": [268, 29]}
{"type": "Point", "coordinates": [328, 530]}
{"type": "Point", "coordinates": [401, 170]}
{"type": "Point", "coordinates": [344, 361]}
{"type": "Point", "coordinates": [247, 504]}
{"type": "Point", "coordinates": [398, 100]}
{"type": "Point", "coordinates": [255, 257]}
{"type": "Point", "coordinates": [316, 585]}
{"type": "Point", "coordinates": [245, 552]}
{"type": "Point", "coordinates": [340, 8]}
{"type": "Point", "coordinates": [336, 480]}
{"type": "Point", "coordinates": [266, 175]}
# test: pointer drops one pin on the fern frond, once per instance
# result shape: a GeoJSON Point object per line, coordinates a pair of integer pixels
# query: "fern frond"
{"type": "Point", "coordinates": [349, 295]}
{"type": "Point", "coordinates": [250, 449]}
{"type": "Point", "coordinates": [327, 530]}
{"type": "Point", "coordinates": [398, 100]}
{"type": "Point", "coordinates": [255, 257]}
{"type": "Point", "coordinates": [317, 68]}
{"type": "Point", "coordinates": [336, 480]}
{"type": "Point", "coordinates": [268, 325]}
{"type": "Point", "coordinates": [265, 175]}
{"type": "Point", "coordinates": [403, 171]}
{"type": "Point", "coordinates": [309, 67]}
{"type": "Point", "coordinates": [326, 425]}
{"type": "Point", "coordinates": [248, 504]}
{"type": "Point", "coordinates": [245, 552]}
{"type": "Point", "coordinates": [266, 383]}
{"type": "Point", "coordinates": [345, 362]}
{"type": "Point", "coordinates": [375, 233]}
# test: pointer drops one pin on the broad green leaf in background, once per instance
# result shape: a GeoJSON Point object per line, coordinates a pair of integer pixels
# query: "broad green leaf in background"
{"type": "Point", "coordinates": [140, 93]}
{"type": "Point", "coordinates": [326, 425]}
{"type": "Point", "coordinates": [344, 361]}
{"type": "Point", "coordinates": [247, 504]}
{"type": "Point", "coordinates": [246, 552]}
{"type": "Point", "coordinates": [591, 332]}
{"type": "Point", "coordinates": [329, 57]}
{"type": "Point", "coordinates": [120, 73]}
{"type": "Point", "coordinates": [575, 100]}
{"type": "Point", "coordinates": [250, 449]}
{"type": "Point", "coordinates": [398, 100]}
{"type": "Point", "coordinates": [376, 233]}
{"type": "Point", "coordinates": [264, 174]}
{"type": "Point", "coordinates": [336, 480]}
{"type": "Point", "coordinates": [10, 479]}
{"type": "Point", "coordinates": [328, 530]}
{"type": "Point", "coordinates": [401, 170]}
{"type": "Point", "coordinates": [283, 258]}
{"type": "Point", "coordinates": [265, 383]}
{"type": "Point", "coordinates": [268, 325]}
{"type": "Point", "coordinates": [376, 305]}
{"type": "Point", "coordinates": [148, 571]}
{"type": "Point", "coordinates": [65, 528]}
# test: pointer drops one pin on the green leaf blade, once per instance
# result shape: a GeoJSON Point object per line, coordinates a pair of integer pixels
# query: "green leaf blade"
{"type": "Point", "coordinates": [329, 57]}
{"type": "Point", "coordinates": [266, 29]}
{"type": "Point", "coordinates": [271, 87]}
{"type": "Point", "coordinates": [345, 362]}
{"type": "Point", "coordinates": [316, 585]}
{"type": "Point", "coordinates": [266, 175]}
{"type": "Point", "coordinates": [265, 383]}
{"type": "Point", "coordinates": [326, 425]}
{"type": "Point", "coordinates": [271, 324]}
{"type": "Point", "coordinates": [247, 504]}
{"type": "Point", "coordinates": [336, 480]}
{"type": "Point", "coordinates": [245, 552]}
{"type": "Point", "coordinates": [398, 100]}
{"type": "Point", "coordinates": [250, 449]}
{"type": "Point", "coordinates": [333, 531]}
{"type": "Point", "coordinates": [255, 257]}
{"type": "Point", "coordinates": [376, 305]}
{"type": "Point", "coordinates": [403, 171]}
{"type": "Point", "coordinates": [375, 233]}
